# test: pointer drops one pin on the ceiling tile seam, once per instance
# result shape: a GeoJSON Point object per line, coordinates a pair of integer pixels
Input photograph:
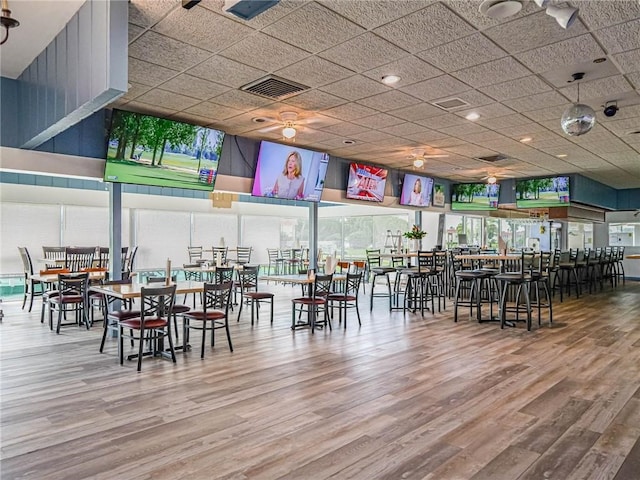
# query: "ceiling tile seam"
{"type": "Point", "coordinates": [166, 14]}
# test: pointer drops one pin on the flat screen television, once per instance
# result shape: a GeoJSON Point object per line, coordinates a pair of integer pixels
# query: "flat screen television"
{"type": "Point", "coordinates": [542, 192]}
{"type": "Point", "coordinates": [147, 150]}
{"type": "Point", "coordinates": [289, 172]}
{"type": "Point", "coordinates": [366, 182]}
{"type": "Point", "coordinates": [475, 196]}
{"type": "Point", "coordinates": [416, 191]}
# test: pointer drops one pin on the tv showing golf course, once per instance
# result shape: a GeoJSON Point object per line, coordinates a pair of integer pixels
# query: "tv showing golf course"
{"type": "Point", "coordinates": [475, 196]}
{"type": "Point", "coordinates": [147, 150]}
{"type": "Point", "coordinates": [542, 192]}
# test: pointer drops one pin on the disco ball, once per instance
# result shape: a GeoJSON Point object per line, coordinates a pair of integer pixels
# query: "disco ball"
{"type": "Point", "coordinates": [578, 119]}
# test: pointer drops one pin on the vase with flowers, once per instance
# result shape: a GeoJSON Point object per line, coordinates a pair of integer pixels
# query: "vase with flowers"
{"type": "Point", "coordinates": [415, 235]}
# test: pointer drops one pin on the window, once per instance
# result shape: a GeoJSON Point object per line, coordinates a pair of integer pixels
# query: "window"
{"type": "Point", "coordinates": [624, 234]}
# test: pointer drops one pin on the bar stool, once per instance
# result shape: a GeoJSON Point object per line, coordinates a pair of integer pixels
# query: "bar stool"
{"type": "Point", "coordinates": [419, 289]}
{"type": "Point", "coordinates": [468, 281]}
{"type": "Point", "coordinates": [520, 279]}
{"type": "Point", "coordinates": [540, 275]}
{"type": "Point", "coordinates": [378, 271]}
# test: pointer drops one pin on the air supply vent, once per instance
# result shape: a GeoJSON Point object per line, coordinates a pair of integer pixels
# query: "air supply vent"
{"type": "Point", "coordinates": [492, 158]}
{"type": "Point", "coordinates": [451, 104]}
{"type": "Point", "coordinates": [274, 87]}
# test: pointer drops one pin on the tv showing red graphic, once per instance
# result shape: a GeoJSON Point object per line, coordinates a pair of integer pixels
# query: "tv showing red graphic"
{"type": "Point", "coordinates": [366, 182]}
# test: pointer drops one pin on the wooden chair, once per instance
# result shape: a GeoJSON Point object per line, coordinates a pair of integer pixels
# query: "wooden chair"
{"type": "Point", "coordinates": [72, 297]}
{"type": "Point", "coordinates": [153, 324]}
{"type": "Point", "coordinates": [248, 281]}
{"type": "Point", "coordinates": [214, 315]}
{"type": "Point", "coordinates": [32, 288]}
{"type": "Point", "coordinates": [54, 256]}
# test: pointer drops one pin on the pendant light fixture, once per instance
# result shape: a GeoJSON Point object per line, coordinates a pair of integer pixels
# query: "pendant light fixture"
{"type": "Point", "coordinates": [578, 119]}
{"type": "Point", "coordinates": [7, 21]}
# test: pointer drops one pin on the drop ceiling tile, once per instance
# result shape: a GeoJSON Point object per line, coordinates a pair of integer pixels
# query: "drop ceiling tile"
{"type": "Point", "coordinates": [147, 12]}
{"type": "Point", "coordinates": [314, 100]}
{"type": "Point", "coordinates": [379, 120]}
{"type": "Point", "coordinates": [487, 111]}
{"type": "Point", "coordinates": [486, 74]}
{"type": "Point", "coordinates": [426, 28]}
{"type": "Point", "coordinates": [417, 112]}
{"type": "Point", "coordinates": [147, 73]}
{"type": "Point", "coordinates": [226, 72]}
{"type": "Point", "coordinates": [568, 52]}
{"type": "Point", "coordinates": [532, 130]}
{"type": "Point", "coordinates": [481, 138]}
{"type": "Point", "coordinates": [623, 127]}
{"type": "Point", "coordinates": [148, 109]}
{"type": "Point", "coordinates": [329, 28]}
{"type": "Point", "coordinates": [345, 129]}
{"type": "Point", "coordinates": [621, 37]}
{"type": "Point", "coordinates": [473, 97]}
{"type": "Point", "coordinates": [548, 113]}
{"type": "Point", "coordinates": [166, 99]}
{"type": "Point", "coordinates": [202, 28]}
{"type": "Point", "coordinates": [404, 129]}
{"type": "Point", "coordinates": [264, 52]}
{"type": "Point", "coordinates": [595, 89]}
{"type": "Point", "coordinates": [446, 142]}
{"type": "Point", "coordinates": [463, 53]}
{"type": "Point", "coordinates": [535, 102]}
{"type": "Point", "coordinates": [135, 90]}
{"type": "Point", "coordinates": [442, 121]}
{"type": "Point", "coordinates": [392, 100]}
{"type": "Point", "coordinates": [314, 71]}
{"type": "Point", "coordinates": [155, 48]}
{"type": "Point", "coordinates": [271, 15]}
{"type": "Point", "coordinates": [371, 136]}
{"type": "Point", "coordinates": [635, 80]}
{"type": "Point", "coordinates": [213, 110]}
{"type": "Point", "coordinates": [355, 88]}
{"type": "Point", "coordinates": [364, 52]}
{"type": "Point", "coordinates": [190, 118]}
{"type": "Point", "coordinates": [134, 32]}
{"type": "Point", "coordinates": [409, 68]}
{"type": "Point", "coordinates": [425, 137]}
{"type": "Point", "coordinates": [434, 88]}
{"type": "Point", "coordinates": [598, 14]}
{"type": "Point", "coordinates": [503, 122]}
{"type": "Point", "coordinates": [349, 111]}
{"type": "Point", "coordinates": [629, 61]}
{"type": "Point", "coordinates": [470, 150]}
{"type": "Point", "coordinates": [373, 13]}
{"type": "Point", "coordinates": [461, 131]}
{"type": "Point", "coordinates": [194, 87]}
{"type": "Point", "coordinates": [469, 11]}
{"type": "Point", "coordinates": [310, 135]}
{"type": "Point", "coordinates": [517, 88]}
{"type": "Point", "coordinates": [532, 31]}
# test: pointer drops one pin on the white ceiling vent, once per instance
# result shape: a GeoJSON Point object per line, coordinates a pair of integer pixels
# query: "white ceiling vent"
{"type": "Point", "coordinates": [492, 158]}
{"type": "Point", "coordinates": [274, 87]}
{"type": "Point", "coordinates": [449, 104]}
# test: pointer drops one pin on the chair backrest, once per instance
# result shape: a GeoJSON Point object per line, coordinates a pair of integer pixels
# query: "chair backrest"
{"type": "Point", "coordinates": [352, 284]}
{"type": "Point", "coordinates": [528, 262]}
{"type": "Point", "coordinates": [217, 296]}
{"type": "Point", "coordinates": [53, 254]}
{"type": "Point", "coordinates": [195, 253]}
{"type": "Point", "coordinates": [157, 302]}
{"type": "Point", "coordinates": [27, 264]}
{"type": "Point", "coordinates": [130, 260]}
{"type": "Point", "coordinates": [373, 258]}
{"type": "Point", "coordinates": [223, 254]}
{"type": "Point", "coordinates": [426, 261]}
{"type": "Point", "coordinates": [243, 254]}
{"type": "Point", "coordinates": [79, 258]}
{"type": "Point", "coordinates": [223, 274]}
{"type": "Point", "coordinates": [73, 284]}
{"type": "Point", "coordinates": [248, 279]}
{"type": "Point", "coordinates": [322, 285]}
{"type": "Point", "coordinates": [274, 254]}
{"type": "Point", "coordinates": [103, 257]}
{"type": "Point", "coordinates": [358, 266]}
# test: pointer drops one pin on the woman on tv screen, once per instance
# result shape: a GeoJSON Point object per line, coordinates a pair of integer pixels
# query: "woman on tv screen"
{"type": "Point", "coordinates": [416, 194]}
{"type": "Point", "coordinates": [290, 183]}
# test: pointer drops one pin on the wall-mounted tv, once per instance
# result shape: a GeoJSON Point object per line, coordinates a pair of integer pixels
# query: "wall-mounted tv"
{"type": "Point", "coordinates": [542, 192]}
{"type": "Point", "coordinates": [416, 191]}
{"type": "Point", "coordinates": [366, 182]}
{"type": "Point", "coordinates": [147, 150]}
{"type": "Point", "coordinates": [289, 172]}
{"type": "Point", "coordinates": [475, 196]}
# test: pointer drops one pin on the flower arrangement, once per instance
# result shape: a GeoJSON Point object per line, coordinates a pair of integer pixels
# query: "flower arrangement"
{"type": "Point", "coordinates": [415, 233]}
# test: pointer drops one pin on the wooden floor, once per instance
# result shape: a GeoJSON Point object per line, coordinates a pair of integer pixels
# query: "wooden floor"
{"type": "Point", "coordinates": [399, 398]}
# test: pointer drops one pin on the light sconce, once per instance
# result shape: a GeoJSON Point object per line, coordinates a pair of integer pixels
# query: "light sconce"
{"type": "Point", "coordinates": [7, 21]}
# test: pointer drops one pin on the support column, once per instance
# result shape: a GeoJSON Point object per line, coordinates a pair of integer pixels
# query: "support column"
{"type": "Point", "coordinates": [115, 231]}
{"type": "Point", "coordinates": [417, 219]}
{"type": "Point", "coordinates": [313, 235]}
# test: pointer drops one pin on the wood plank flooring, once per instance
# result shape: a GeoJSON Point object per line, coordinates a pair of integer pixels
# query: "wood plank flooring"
{"type": "Point", "coordinates": [398, 398]}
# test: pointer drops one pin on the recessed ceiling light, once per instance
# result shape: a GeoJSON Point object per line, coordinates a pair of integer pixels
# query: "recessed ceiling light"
{"type": "Point", "coordinates": [526, 139]}
{"type": "Point", "coordinates": [390, 79]}
{"type": "Point", "coordinates": [473, 116]}
{"type": "Point", "coordinates": [348, 142]}
{"type": "Point", "coordinates": [561, 155]}
{"type": "Point", "coordinates": [600, 60]}
{"type": "Point", "coordinates": [259, 119]}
